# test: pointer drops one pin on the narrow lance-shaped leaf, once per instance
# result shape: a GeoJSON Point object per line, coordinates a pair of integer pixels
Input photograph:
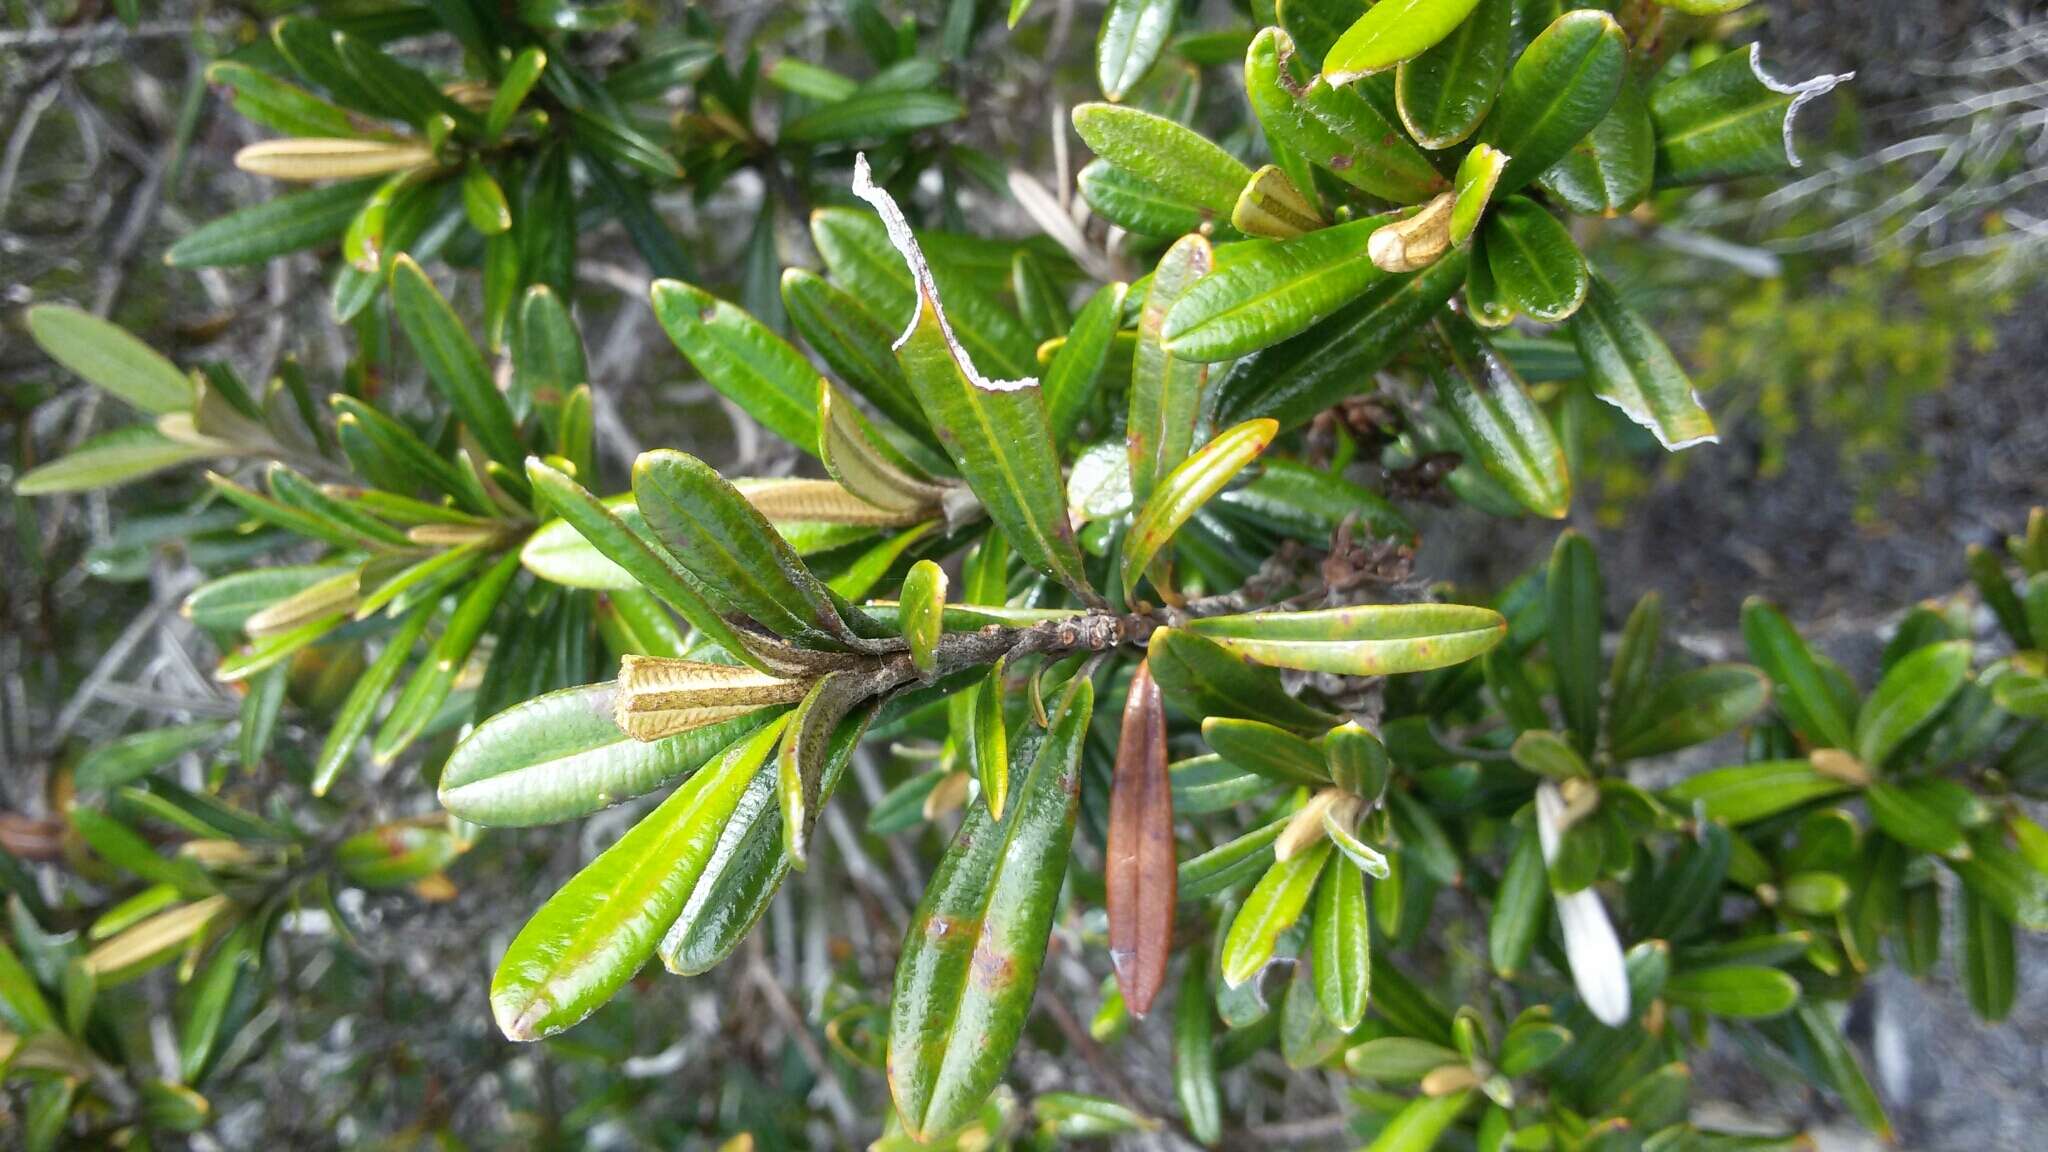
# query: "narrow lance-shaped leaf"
{"type": "Point", "coordinates": [1799, 687]}
{"type": "Point", "coordinates": [971, 957]}
{"type": "Point", "coordinates": [1180, 161]}
{"type": "Point", "coordinates": [1269, 751]}
{"type": "Point", "coordinates": [1166, 387]}
{"type": "Point", "coordinates": [1390, 32]}
{"type": "Point", "coordinates": [272, 228]}
{"type": "Point", "coordinates": [1500, 420]}
{"type": "Point", "coordinates": [1362, 640]}
{"type": "Point", "coordinates": [1182, 493]}
{"type": "Point", "coordinates": [1194, 1052]}
{"type": "Point", "coordinates": [454, 364]}
{"type": "Point", "coordinates": [805, 753]}
{"type": "Point", "coordinates": [1137, 205]}
{"type": "Point", "coordinates": [744, 359]}
{"type": "Point", "coordinates": [1200, 676]}
{"type": "Point", "coordinates": [996, 431]}
{"type": "Point", "coordinates": [1690, 709]}
{"type": "Point", "coordinates": [1730, 118]}
{"type": "Point", "coordinates": [866, 465]}
{"type": "Point", "coordinates": [360, 708]}
{"type": "Point", "coordinates": [1745, 793]}
{"type": "Point", "coordinates": [1275, 904]}
{"type": "Point", "coordinates": [594, 934]}
{"type": "Point", "coordinates": [845, 332]}
{"type": "Point", "coordinates": [1271, 290]}
{"type": "Point", "coordinates": [1334, 126]}
{"type": "Point", "coordinates": [1139, 873]}
{"type": "Point", "coordinates": [109, 358]}
{"type": "Point", "coordinates": [988, 742]}
{"type": "Point", "coordinates": [1629, 366]}
{"type": "Point", "coordinates": [1076, 369]}
{"type": "Point", "coordinates": [1341, 943]}
{"type": "Point", "coordinates": [1134, 32]}
{"type": "Point", "coordinates": [435, 677]}
{"type": "Point", "coordinates": [1559, 89]}
{"type": "Point", "coordinates": [1913, 693]}
{"type": "Point", "coordinates": [1520, 906]}
{"type": "Point", "coordinates": [1445, 92]}
{"type": "Point", "coordinates": [1574, 599]}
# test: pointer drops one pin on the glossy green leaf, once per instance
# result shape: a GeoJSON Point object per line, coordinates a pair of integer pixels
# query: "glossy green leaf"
{"type": "Point", "coordinates": [1912, 694]}
{"type": "Point", "coordinates": [997, 431]}
{"type": "Point", "coordinates": [988, 742]}
{"type": "Point", "coordinates": [279, 104]}
{"type": "Point", "coordinates": [1228, 865]}
{"type": "Point", "coordinates": [1737, 991]}
{"type": "Point", "coordinates": [1272, 752]}
{"type": "Point", "coordinates": [922, 613]}
{"type": "Point", "coordinates": [1390, 32]}
{"type": "Point", "coordinates": [272, 228]}
{"type": "Point", "coordinates": [1444, 92]}
{"type": "Point", "coordinates": [1176, 159]}
{"type": "Point", "coordinates": [1629, 366]}
{"type": "Point", "coordinates": [804, 757]}
{"type": "Point", "coordinates": [1608, 172]}
{"type": "Point", "coordinates": [1418, 1126]}
{"type": "Point", "coordinates": [1135, 204]}
{"type": "Point", "coordinates": [352, 721]}
{"type": "Point", "coordinates": [596, 932]}
{"type": "Point", "coordinates": [1521, 907]}
{"type": "Point", "coordinates": [1362, 640]}
{"type": "Point", "coordinates": [434, 679]}
{"type": "Point", "coordinates": [971, 957]}
{"type": "Point", "coordinates": [1206, 679]}
{"type": "Point", "coordinates": [1077, 368]}
{"type": "Point", "coordinates": [1728, 118]}
{"type": "Point", "coordinates": [1988, 962]}
{"type": "Point", "coordinates": [1399, 1059]}
{"type": "Point", "coordinates": [1134, 32]}
{"type": "Point", "coordinates": [1271, 290]}
{"type": "Point", "coordinates": [1690, 709]}
{"type": "Point", "coordinates": [1536, 267]}
{"type": "Point", "coordinates": [1194, 1052]}
{"type": "Point", "coordinates": [872, 115]}
{"type": "Point", "coordinates": [1167, 388]}
{"type": "Point", "coordinates": [113, 458]}
{"type": "Point", "coordinates": [1478, 175]}
{"type": "Point", "coordinates": [1334, 126]}
{"type": "Point", "coordinates": [1799, 688]}
{"type": "Point", "coordinates": [852, 342]}
{"type": "Point", "coordinates": [1340, 943]}
{"type": "Point", "coordinates": [1183, 492]}
{"type": "Point", "coordinates": [1274, 905]}
{"type": "Point", "coordinates": [1559, 89]}
{"type": "Point", "coordinates": [454, 364]}
{"type": "Point", "coordinates": [1501, 422]}
{"type": "Point", "coordinates": [742, 358]}
{"type": "Point", "coordinates": [1910, 819]}
{"type": "Point", "coordinates": [1572, 592]}
{"type": "Point", "coordinates": [1294, 380]}
{"type": "Point", "coordinates": [1309, 504]}
{"type": "Point", "coordinates": [107, 357]}
{"type": "Point", "coordinates": [1746, 793]}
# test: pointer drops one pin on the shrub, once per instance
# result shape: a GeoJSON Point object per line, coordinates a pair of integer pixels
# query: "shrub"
{"type": "Point", "coordinates": [1118, 579]}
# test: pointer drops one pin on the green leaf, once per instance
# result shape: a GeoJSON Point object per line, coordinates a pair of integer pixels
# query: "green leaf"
{"type": "Point", "coordinates": [1560, 88]}
{"type": "Point", "coordinates": [1987, 572]}
{"type": "Point", "coordinates": [1182, 493]}
{"type": "Point", "coordinates": [483, 201]}
{"type": "Point", "coordinates": [1736, 991]}
{"type": "Point", "coordinates": [1340, 941]}
{"type": "Point", "coordinates": [596, 932]}
{"type": "Point", "coordinates": [1913, 693]}
{"type": "Point", "coordinates": [802, 759]}
{"type": "Point", "coordinates": [1312, 505]}
{"type": "Point", "coordinates": [1418, 1126]}
{"type": "Point", "coordinates": [1335, 126]}
{"type": "Point", "coordinates": [1041, 302]}
{"type": "Point", "coordinates": [1689, 709]}
{"type": "Point", "coordinates": [1500, 421]}
{"type": "Point", "coordinates": [1478, 174]}
{"type": "Point", "coordinates": [353, 719]}
{"type": "Point", "coordinates": [1746, 793]}
{"type": "Point", "coordinates": [1167, 388]}
{"type": "Point", "coordinates": [1390, 32]}
{"type": "Point", "coordinates": [743, 359]}
{"type": "Point", "coordinates": [1399, 1059]}
{"type": "Point", "coordinates": [124, 848]}
{"type": "Point", "coordinates": [279, 104]}
{"type": "Point", "coordinates": [1194, 1051]}
{"type": "Point", "coordinates": [852, 342]}
{"type": "Point", "coordinates": [1296, 379]}
{"type": "Point", "coordinates": [276, 227]}
{"type": "Point", "coordinates": [1629, 366]}
{"type": "Point", "coordinates": [1229, 864]}
{"type": "Point", "coordinates": [1133, 34]}
{"type": "Point", "coordinates": [997, 432]}
{"type": "Point", "coordinates": [746, 867]}
{"type": "Point", "coordinates": [1988, 963]}
{"type": "Point", "coordinates": [1908, 818]}
{"type": "Point", "coordinates": [132, 757]}
{"type": "Point", "coordinates": [107, 357]}
{"type": "Point", "coordinates": [988, 742]}
{"type": "Point", "coordinates": [921, 616]}
{"type": "Point", "coordinates": [1076, 369]}
{"type": "Point", "coordinates": [738, 561]}
{"type": "Point", "coordinates": [1271, 290]}
{"type": "Point", "coordinates": [1357, 761]}
{"type": "Point", "coordinates": [520, 77]}
{"type": "Point", "coordinates": [1176, 159]}
{"type": "Point", "coordinates": [1521, 907]}
{"type": "Point", "coordinates": [1138, 205]}
{"type": "Point", "coordinates": [1800, 690]}
{"type": "Point", "coordinates": [560, 756]}
{"type": "Point", "coordinates": [873, 115]}
{"type": "Point", "coordinates": [121, 456]}
{"type": "Point", "coordinates": [1205, 784]}
{"type": "Point", "coordinates": [421, 699]}
{"type": "Point", "coordinates": [970, 960]}
{"type": "Point", "coordinates": [865, 464]}
{"type": "Point", "coordinates": [1728, 118]}
{"type": "Point", "coordinates": [1269, 751]}
{"type": "Point", "coordinates": [1203, 678]}
{"type": "Point", "coordinates": [1274, 905]}
{"type": "Point", "coordinates": [454, 364]}
{"type": "Point", "coordinates": [1573, 597]}
{"type": "Point", "coordinates": [1444, 92]}
{"type": "Point", "coordinates": [1608, 172]}
{"type": "Point", "coordinates": [1536, 267]}
{"type": "Point", "coordinates": [1361, 640]}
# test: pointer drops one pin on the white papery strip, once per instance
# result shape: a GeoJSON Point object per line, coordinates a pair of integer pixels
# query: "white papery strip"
{"type": "Point", "coordinates": [1590, 944]}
